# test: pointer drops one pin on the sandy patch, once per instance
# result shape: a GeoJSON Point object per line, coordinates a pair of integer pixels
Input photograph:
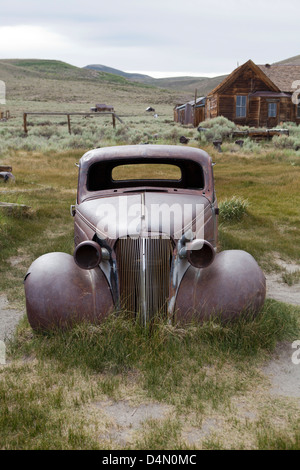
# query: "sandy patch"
{"type": "Point", "coordinates": [126, 418]}
{"type": "Point", "coordinates": [279, 290]}
{"type": "Point", "coordinates": [9, 318]}
{"type": "Point", "coordinates": [284, 370]}
{"type": "Point", "coordinates": [195, 436]}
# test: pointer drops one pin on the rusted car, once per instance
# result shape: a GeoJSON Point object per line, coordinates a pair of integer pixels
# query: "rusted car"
{"type": "Point", "coordinates": [145, 232]}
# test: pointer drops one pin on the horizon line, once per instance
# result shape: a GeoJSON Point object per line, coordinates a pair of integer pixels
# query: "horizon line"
{"type": "Point", "coordinates": [159, 74]}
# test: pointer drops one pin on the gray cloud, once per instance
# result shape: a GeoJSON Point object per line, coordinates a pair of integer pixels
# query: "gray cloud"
{"type": "Point", "coordinates": [159, 34]}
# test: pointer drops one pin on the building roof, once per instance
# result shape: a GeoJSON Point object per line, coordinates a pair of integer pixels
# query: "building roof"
{"type": "Point", "coordinates": [199, 101]}
{"type": "Point", "coordinates": [102, 105]}
{"type": "Point", "coordinates": [282, 75]}
{"type": "Point", "coordinates": [232, 77]}
{"type": "Point", "coordinates": [270, 94]}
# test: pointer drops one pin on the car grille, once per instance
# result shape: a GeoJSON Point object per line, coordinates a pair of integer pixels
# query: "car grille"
{"type": "Point", "coordinates": [144, 275]}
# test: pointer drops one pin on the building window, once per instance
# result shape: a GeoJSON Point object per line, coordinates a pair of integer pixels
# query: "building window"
{"type": "Point", "coordinates": [241, 106]}
{"type": "Point", "coordinates": [298, 108]}
{"type": "Point", "coordinates": [272, 109]}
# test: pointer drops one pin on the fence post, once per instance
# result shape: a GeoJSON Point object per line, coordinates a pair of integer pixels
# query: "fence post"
{"type": "Point", "coordinates": [69, 123]}
{"type": "Point", "coordinates": [25, 122]}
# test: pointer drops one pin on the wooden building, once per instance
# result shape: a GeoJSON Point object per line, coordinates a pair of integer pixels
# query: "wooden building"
{"type": "Point", "coordinates": [192, 112]}
{"type": "Point", "coordinates": [4, 114]}
{"type": "Point", "coordinates": [257, 95]}
{"type": "Point", "coordinates": [102, 108]}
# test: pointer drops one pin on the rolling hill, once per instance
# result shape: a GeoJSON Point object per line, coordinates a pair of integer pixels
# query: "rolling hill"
{"type": "Point", "coordinates": [51, 85]}
{"type": "Point", "coordinates": [30, 83]}
{"type": "Point", "coordinates": [129, 76]}
{"type": "Point", "coordinates": [183, 84]}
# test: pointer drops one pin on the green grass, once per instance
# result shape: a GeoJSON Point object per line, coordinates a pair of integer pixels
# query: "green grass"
{"type": "Point", "coordinates": [233, 209]}
{"type": "Point", "coordinates": [40, 64]}
{"type": "Point", "coordinates": [199, 368]}
{"type": "Point", "coordinates": [120, 344]}
{"type": "Point", "coordinates": [271, 188]}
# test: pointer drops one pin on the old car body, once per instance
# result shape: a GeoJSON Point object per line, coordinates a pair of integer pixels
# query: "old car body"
{"type": "Point", "coordinates": [145, 233]}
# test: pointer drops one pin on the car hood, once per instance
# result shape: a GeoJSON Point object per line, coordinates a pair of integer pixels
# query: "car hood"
{"type": "Point", "coordinates": [146, 213]}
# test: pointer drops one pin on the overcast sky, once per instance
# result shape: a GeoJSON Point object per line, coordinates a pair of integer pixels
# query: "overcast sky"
{"type": "Point", "coordinates": [196, 37]}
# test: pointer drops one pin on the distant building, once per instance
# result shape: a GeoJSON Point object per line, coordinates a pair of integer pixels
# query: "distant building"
{"type": "Point", "coordinates": [191, 112]}
{"type": "Point", "coordinates": [257, 95]}
{"type": "Point", "coordinates": [102, 108]}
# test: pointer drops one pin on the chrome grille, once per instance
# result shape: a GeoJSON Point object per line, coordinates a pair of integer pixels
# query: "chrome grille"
{"type": "Point", "coordinates": [144, 273]}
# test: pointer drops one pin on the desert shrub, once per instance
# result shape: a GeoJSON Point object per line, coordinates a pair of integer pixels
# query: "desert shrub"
{"type": "Point", "coordinates": [29, 143]}
{"type": "Point", "coordinates": [251, 146]}
{"type": "Point", "coordinates": [231, 147]}
{"type": "Point", "coordinates": [233, 209]}
{"type": "Point", "coordinates": [86, 140]}
{"type": "Point", "coordinates": [284, 142]}
{"type": "Point", "coordinates": [44, 131]}
{"type": "Point", "coordinates": [288, 125]}
{"type": "Point", "coordinates": [172, 135]}
{"type": "Point", "coordinates": [121, 131]}
{"type": "Point", "coordinates": [218, 121]}
{"type": "Point", "coordinates": [294, 131]}
{"type": "Point", "coordinates": [217, 128]}
{"type": "Point", "coordinates": [77, 129]}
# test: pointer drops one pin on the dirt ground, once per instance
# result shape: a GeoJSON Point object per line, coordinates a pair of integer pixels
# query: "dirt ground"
{"type": "Point", "coordinates": [279, 290]}
{"type": "Point", "coordinates": [9, 318]}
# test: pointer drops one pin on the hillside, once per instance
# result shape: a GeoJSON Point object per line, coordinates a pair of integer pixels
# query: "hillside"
{"type": "Point", "coordinates": [30, 83]}
{"type": "Point", "coordinates": [189, 84]}
{"type": "Point", "coordinates": [290, 61]}
{"type": "Point", "coordinates": [55, 69]}
{"type": "Point", "coordinates": [129, 76]}
{"type": "Point", "coordinates": [183, 84]}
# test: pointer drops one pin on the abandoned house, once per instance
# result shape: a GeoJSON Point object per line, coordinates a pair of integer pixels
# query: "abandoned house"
{"type": "Point", "coordinates": [256, 95]}
{"type": "Point", "coordinates": [191, 112]}
{"type": "Point", "coordinates": [252, 95]}
{"type": "Point", "coordinates": [102, 108]}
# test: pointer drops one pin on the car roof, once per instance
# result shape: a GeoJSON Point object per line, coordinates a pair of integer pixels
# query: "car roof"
{"type": "Point", "coordinates": [143, 153]}
{"type": "Point", "coordinates": [146, 151]}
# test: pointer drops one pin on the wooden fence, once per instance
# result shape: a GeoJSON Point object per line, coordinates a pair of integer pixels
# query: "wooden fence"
{"type": "Point", "coordinates": [25, 114]}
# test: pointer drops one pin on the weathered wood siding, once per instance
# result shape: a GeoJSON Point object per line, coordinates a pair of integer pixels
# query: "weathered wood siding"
{"type": "Point", "coordinates": [295, 115]}
{"type": "Point", "coordinates": [189, 115]}
{"type": "Point", "coordinates": [211, 107]}
{"type": "Point", "coordinates": [223, 101]}
{"type": "Point", "coordinates": [284, 112]}
{"type": "Point", "coordinates": [227, 106]}
{"type": "Point", "coordinates": [253, 112]}
{"type": "Point", "coordinates": [199, 115]}
{"type": "Point", "coordinates": [246, 82]}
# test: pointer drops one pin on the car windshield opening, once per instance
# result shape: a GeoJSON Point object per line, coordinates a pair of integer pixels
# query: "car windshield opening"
{"type": "Point", "coordinates": [105, 175]}
{"type": "Point", "coordinates": [146, 171]}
